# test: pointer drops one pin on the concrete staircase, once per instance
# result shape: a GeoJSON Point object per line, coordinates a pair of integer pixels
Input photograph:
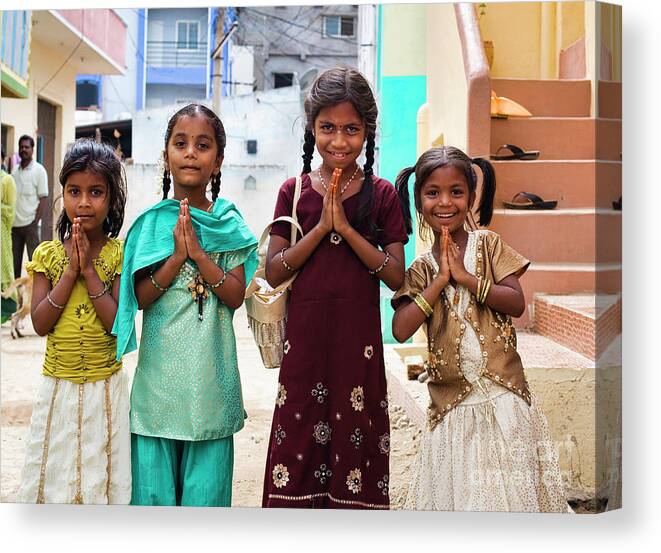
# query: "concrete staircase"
{"type": "Point", "coordinates": [577, 247]}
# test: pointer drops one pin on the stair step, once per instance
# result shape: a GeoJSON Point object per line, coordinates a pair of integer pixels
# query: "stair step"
{"type": "Point", "coordinates": [585, 323]}
{"type": "Point", "coordinates": [562, 278]}
{"type": "Point", "coordinates": [548, 98]}
{"type": "Point", "coordinates": [610, 99]}
{"type": "Point", "coordinates": [562, 235]}
{"type": "Point", "coordinates": [577, 183]}
{"type": "Point", "coordinates": [561, 137]}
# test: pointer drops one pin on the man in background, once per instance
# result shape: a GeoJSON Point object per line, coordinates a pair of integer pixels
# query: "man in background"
{"type": "Point", "coordinates": [31, 196]}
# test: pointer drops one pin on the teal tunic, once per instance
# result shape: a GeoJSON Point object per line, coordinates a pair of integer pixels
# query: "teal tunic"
{"type": "Point", "coordinates": [186, 384]}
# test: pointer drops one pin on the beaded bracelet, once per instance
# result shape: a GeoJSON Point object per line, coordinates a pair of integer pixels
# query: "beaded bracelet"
{"type": "Point", "coordinates": [284, 263]}
{"type": "Point", "coordinates": [105, 290]}
{"type": "Point", "coordinates": [156, 285]}
{"type": "Point", "coordinates": [380, 267]}
{"type": "Point", "coordinates": [424, 306]}
{"type": "Point", "coordinates": [220, 282]}
{"type": "Point", "coordinates": [50, 300]}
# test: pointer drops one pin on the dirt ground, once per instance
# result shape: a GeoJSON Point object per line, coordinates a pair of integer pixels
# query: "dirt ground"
{"type": "Point", "coordinates": [21, 377]}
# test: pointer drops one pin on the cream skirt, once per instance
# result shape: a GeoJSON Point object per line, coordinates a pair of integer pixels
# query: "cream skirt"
{"type": "Point", "coordinates": [78, 448]}
{"type": "Point", "coordinates": [492, 452]}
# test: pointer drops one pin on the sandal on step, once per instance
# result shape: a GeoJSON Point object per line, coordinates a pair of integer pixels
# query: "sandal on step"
{"type": "Point", "coordinates": [526, 200]}
{"type": "Point", "coordinates": [516, 153]}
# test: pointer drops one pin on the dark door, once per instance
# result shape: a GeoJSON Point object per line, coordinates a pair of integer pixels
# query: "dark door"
{"type": "Point", "coordinates": [46, 113]}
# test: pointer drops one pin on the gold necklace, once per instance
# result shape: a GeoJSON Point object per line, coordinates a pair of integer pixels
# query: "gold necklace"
{"type": "Point", "coordinates": [321, 178]}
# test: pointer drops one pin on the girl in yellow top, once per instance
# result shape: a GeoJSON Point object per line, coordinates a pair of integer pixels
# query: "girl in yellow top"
{"type": "Point", "coordinates": [79, 445]}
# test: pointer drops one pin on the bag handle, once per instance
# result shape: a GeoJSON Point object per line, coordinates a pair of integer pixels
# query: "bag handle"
{"type": "Point", "coordinates": [293, 220]}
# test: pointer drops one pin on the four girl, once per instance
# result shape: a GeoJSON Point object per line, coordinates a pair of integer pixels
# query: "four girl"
{"type": "Point", "coordinates": [186, 262]}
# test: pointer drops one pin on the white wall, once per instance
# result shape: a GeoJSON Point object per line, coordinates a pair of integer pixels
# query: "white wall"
{"type": "Point", "coordinates": [273, 118]}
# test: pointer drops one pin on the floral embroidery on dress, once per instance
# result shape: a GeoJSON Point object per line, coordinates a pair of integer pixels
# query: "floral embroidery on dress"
{"type": "Point", "coordinates": [319, 392]}
{"type": "Point", "coordinates": [355, 481]}
{"type": "Point", "coordinates": [507, 334]}
{"type": "Point", "coordinates": [280, 476]}
{"type": "Point", "coordinates": [384, 443]}
{"type": "Point", "coordinates": [383, 485]}
{"type": "Point", "coordinates": [384, 404]}
{"type": "Point", "coordinates": [357, 438]}
{"type": "Point", "coordinates": [335, 238]}
{"type": "Point", "coordinates": [286, 347]}
{"type": "Point", "coordinates": [322, 433]}
{"type": "Point", "coordinates": [323, 473]}
{"type": "Point", "coordinates": [82, 309]}
{"type": "Point", "coordinates": [368, 352]}
{"type": "Point", "coordinates": [279, 435]}
{"type": "Point", "coordinates": [282, 395]}
{"type": "Point", "coordinates": [357, 398]}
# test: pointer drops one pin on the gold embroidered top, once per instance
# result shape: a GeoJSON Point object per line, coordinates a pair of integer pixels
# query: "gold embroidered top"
{"type": "Point", "coordinates": [78, 347]}
{"type": "Point", "coordinates": [447, 385]}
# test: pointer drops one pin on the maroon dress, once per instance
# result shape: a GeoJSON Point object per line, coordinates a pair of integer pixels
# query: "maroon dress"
{"type": "Point", "coordinates": [330, 438]}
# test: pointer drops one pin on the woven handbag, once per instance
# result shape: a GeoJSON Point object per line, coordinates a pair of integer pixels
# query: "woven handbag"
{"type": "Point", "coordinates": [267, 307]}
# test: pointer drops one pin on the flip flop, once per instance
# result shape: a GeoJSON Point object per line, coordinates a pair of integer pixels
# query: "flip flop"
{"type": "Point", "coordinates": [530, 201]}
{"type": "Point", "coordinates": [517, 153]}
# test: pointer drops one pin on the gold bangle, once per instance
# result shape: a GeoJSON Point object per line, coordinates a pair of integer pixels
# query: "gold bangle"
{"type": "Point", "coordinates": [385, 262]}
{"type": "Point", "coordinates": [55, 305]}
{"type": "Point", "coordinates": [424, 306]}
{"type": "Point", "coordinates": [105, 290]}
{"type": "Point", "coordinates": [156, 285]}
{"type": "Point", "coordinates": [220, 282]}
{"type": "Point", "coordinates": [478, 290]}
{"type": "Point", "coordinates": [485, 291]}
{"type": "Point", "coordinates": [284, 263]}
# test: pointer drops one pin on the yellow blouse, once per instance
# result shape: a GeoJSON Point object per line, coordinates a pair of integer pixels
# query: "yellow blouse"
{"type": "Point", "coordinates": [78, 348]}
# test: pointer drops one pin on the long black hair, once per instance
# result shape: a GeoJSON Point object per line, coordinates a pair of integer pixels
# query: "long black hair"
{"type": "Point", "coordinates": [335, 86]}
{"type": "Point", "coordinates": [436, 158]}
{"type": "Point", "coordinates": [195, 110]}
{"type": "Point", "coordinates": [88, 155]}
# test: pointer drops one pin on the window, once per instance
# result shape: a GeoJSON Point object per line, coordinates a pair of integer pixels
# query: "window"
{"type": "Point", "coordinates": [250, 183]}
{"type": "Point", "coordinates": [87, 94]}
{"type": "Point", "coordinates": [251, 146]}
{"type": "Point", "coordinates": [339, 26]}
{"type": "Point", "coordinates": [187, 35]}
{"type": "Point", "coordinates": [282, 79]}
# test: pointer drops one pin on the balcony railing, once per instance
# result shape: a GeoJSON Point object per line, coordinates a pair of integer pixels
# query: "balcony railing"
{"type": "Point", "coordinates": [168, 54]}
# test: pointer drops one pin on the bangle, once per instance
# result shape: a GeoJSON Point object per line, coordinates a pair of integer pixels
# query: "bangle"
{"type": "Point", "coordinates": [220, 282]}
{"type": "Point", "coordinates": [284, 263]}
{"type": "Point", "coordinates": [424, 306]}
{"type": "Point", "coordinates": [105, 290]}
{"type": "Point", "coordinates": [156, 285]}
{"type": "Point", "coordinates": [478, 290]}
{"type": "Point", "coordinates": [380, 267]}
{"type": "Point", "coordinates": [484, 285]}
{"type": "Point", "coordinates": [50, 300]}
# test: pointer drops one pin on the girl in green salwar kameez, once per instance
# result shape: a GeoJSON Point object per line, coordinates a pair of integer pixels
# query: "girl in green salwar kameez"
{"type": "Point", "coordinates": [186, 263]}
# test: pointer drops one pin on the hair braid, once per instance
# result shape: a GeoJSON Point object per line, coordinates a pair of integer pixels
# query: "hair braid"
{"type": "Point", "coordinates": [308, 151]}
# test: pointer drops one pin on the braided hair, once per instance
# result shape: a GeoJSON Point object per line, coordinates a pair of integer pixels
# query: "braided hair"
{"type": "Point", "coordinates": [195, 110]}
{"type": "Point", "coordinates": [335, 86]}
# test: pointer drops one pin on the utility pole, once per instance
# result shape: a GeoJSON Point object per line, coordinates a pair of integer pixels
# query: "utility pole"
{"type": "Point", "coordinates": [217, 56]}
{"type": "Point", "coordinates": [217, 60]}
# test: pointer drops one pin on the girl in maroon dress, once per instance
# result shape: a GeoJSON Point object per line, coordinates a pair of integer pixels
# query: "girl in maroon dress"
{"type": "Point", "coordinates": [330, 438]}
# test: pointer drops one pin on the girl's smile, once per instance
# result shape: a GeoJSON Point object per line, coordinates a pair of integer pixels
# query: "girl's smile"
{"type": "Point", "coordinates": [339, 134]}
{"type": "Point", "coordinates": [445, 199]}
{"type": "Point", "coordinates": [86, 197]}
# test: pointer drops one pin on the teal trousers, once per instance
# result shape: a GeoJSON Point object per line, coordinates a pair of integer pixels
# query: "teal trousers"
{"type": "Point", "coordinates": [178, 472]}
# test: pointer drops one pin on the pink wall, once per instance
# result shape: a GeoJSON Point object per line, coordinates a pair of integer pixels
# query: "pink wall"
{"type": "Point", "coordinates": [104, 28]}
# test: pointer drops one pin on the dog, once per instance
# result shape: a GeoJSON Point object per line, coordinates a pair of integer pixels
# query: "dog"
{"type": "Point", "coordinates": [23, 288]}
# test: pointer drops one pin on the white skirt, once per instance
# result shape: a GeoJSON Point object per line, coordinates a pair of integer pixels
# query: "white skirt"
{"type": "Point", "coordinates": [79, 445]}
{"type": "Point", "coordinates": [491, 454]}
